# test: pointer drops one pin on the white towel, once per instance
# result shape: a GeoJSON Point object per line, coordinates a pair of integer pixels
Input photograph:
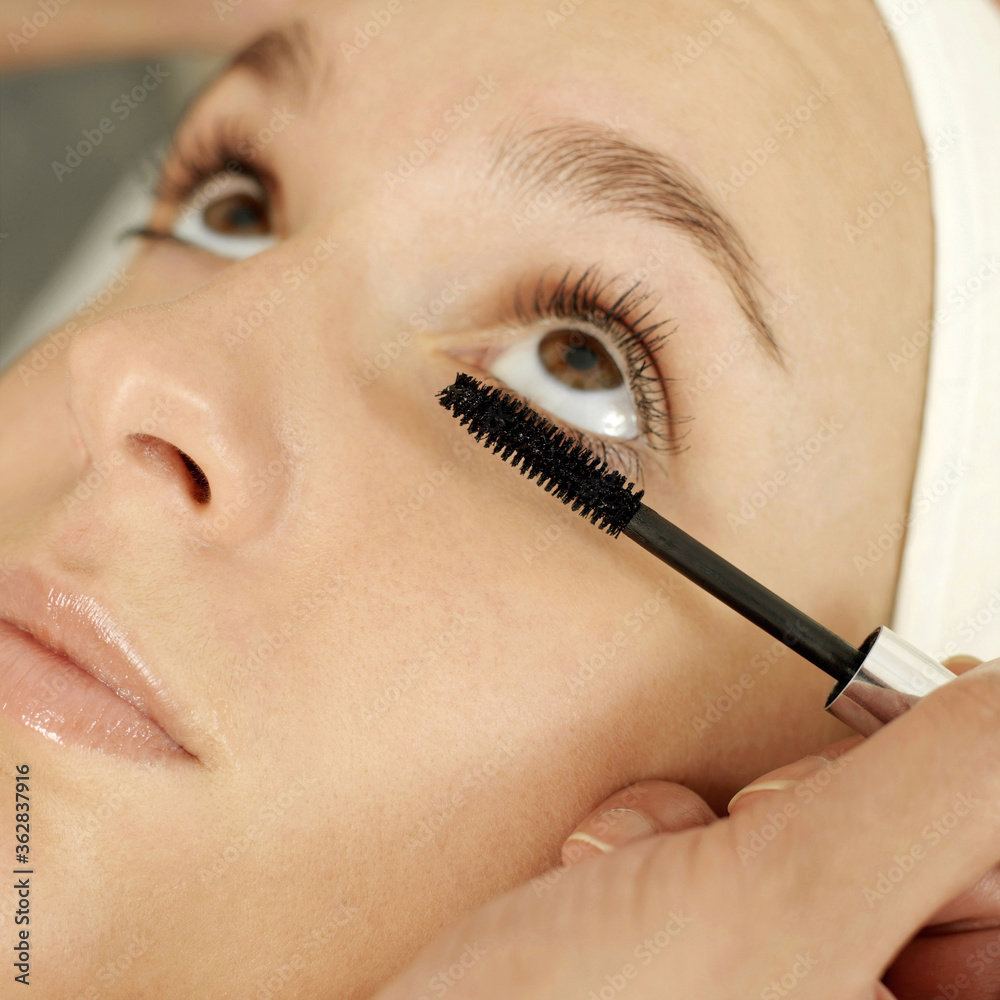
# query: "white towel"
{"type": "Point", "coordinates": [948, 597]}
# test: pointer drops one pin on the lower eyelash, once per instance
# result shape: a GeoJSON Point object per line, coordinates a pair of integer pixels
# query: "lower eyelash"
{"type": "Point", "coordinates": [619, 315]}
{"type": "Point", "coordinates": [619, 455]}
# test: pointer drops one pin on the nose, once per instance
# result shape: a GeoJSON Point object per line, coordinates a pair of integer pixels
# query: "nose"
{"type": "Point", "coordinates": [176, 421]}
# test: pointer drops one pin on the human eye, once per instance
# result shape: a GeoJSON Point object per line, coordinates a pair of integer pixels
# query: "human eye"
{"type": "Point", "coordinates": [217, 197]}
{"type": "Point", "coordinates": [590, 362]}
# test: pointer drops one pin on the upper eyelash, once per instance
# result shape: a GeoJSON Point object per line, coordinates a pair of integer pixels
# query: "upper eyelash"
{"type": "Point", "coordinates": [622, 317]}
{"type": "Point", "coordinates": [192, 161]}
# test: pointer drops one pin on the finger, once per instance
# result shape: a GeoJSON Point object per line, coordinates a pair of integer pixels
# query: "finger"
{"type": "Point", "coordinates": [965, 965]}
{"type": "Point", "coordinates": [961, 664]}
{"type": "Point", "coordinates": [637, 811]}
{"type": "Point", "coordinates": [788, 777]}
{"type": "Point", "coordinates": [900, 829]}
{"type": "Point", "coordinates": [978, 908]}
{"type": "Point", "coordinates": [959, 952]}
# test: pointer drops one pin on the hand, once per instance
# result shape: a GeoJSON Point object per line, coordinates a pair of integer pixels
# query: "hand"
{"type": "Point", "coordinates": [118, 29]}
{"type": "Point", "coordinates": [812, 889]}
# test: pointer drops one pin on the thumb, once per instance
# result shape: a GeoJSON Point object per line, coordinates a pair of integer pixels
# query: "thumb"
{"type": "Point", "coordinates": [642, 809]}
{"type": "Point", "coordinates": [814, 768]}
{"type": "Point", "coordinates": [909, 821]}
{"type": "Point", "coordinates": [810, 771]}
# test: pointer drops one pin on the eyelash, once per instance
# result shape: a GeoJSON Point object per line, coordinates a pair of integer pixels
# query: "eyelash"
{"type": "Point", "coordinates": [589, 298]}
{"type": "Point", "coordinates": [621, 317]}
{"type": "Point", "coordinates": [190, 163]}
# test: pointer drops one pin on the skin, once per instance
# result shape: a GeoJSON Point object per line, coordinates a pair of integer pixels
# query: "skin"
{"type": "Point", "coordinates": [816, 882]}
{"type": "Point", "coordinates": [343, 876]}
{"type": "Point", "coordinates": [117, 29]}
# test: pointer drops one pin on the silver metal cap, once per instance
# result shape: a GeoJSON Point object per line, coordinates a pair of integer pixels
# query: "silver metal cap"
{"type": "Point", "coordinates": [893, 677]}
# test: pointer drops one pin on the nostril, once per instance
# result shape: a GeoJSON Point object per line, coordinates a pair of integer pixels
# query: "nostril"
{"type": "Point", "coordinates": [163, 455]}
{"type": "Point", "coordinates": [200, 489]}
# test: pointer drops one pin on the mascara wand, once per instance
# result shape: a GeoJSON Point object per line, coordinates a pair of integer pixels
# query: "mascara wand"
{"type": "Point", "coordinates": [874, 684]}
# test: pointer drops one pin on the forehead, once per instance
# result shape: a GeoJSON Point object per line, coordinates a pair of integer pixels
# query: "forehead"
{"type": "Point", "coordinates": [448, 72]}
{"type": "Point", "coordinates": [663, 58]}
{"type": "Point", "coordinates": [400, 107]}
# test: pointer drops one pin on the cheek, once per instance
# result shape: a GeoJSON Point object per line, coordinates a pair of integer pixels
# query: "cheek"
{"type": "Point", "coordinates": [499, 665]}
{"type": "Point", "coordinates": [33, 410]}
{"type": "Point", "coordinates": [156, 272]}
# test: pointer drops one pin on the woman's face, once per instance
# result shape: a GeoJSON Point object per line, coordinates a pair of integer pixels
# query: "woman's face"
{"type": "Point", "coordinates": [400, 672]}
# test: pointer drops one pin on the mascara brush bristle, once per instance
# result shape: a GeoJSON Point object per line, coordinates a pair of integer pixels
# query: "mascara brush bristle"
{"type": "Point", "coordinates": [562, 466]}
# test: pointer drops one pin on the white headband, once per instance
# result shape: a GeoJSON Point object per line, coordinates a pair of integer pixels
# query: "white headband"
{"type": "Point", "coordinates": [948, 597]}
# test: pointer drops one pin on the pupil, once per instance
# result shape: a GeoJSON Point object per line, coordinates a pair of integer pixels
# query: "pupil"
{"type": "Point", "coordinates": [237, 215]}
{"type": "Point", "coordinates": [579, 361]}
{"type": "Point", "coordinates": [242, 215]}
{"type": "Point", "coordinates": [580, 358]}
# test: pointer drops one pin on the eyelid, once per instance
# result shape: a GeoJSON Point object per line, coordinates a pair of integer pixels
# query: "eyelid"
{"type": "Point", "coordinates": [622, 317]}
{"type": "Point", "coordinates": [148, 233]}
{"type": "Point", "coordinates": [485, 343]}
{"type": "Point", "coordinates": [584, 304]}
{"type": "Point", "coordinates": [199, 152]}
{"type": "Point", "coordinates": [481, 350]}
{"type": "Point", "coordinates": [225, 183]}
{"type": "Point", "coordinates": [622, 456]}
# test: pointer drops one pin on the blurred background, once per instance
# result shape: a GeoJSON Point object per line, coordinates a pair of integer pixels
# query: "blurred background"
{"type": "Point", "coordinates": [58, 233]}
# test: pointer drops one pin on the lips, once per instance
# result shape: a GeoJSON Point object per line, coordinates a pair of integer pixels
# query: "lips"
{"type": "Point", "coordinates": [69, 672]}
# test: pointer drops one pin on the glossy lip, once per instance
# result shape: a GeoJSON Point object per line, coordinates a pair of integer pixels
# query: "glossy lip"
{"type": "Point", "coordinates": [80, 629]}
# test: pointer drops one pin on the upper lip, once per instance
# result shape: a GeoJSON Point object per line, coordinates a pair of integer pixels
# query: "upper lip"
{"type": "Point", "coordinates": [80, 628]}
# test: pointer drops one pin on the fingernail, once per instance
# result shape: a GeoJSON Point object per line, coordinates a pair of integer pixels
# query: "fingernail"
{"type": "Point", "coordinates": [775, 785]}
{"type": "Point", "coordinates": [792, 774]}
{"type": "Point", "coordinates": [613, 829]}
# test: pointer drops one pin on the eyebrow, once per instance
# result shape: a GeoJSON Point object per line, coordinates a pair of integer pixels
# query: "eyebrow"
{"type": "Point", "coordinates": [282, 58]}
{"type": "Point", "coordinates": [593, 168]}
{"type": "Point", "coordinates": [571, 158]}
{"type": "Point", "coordinates": [287, 56]}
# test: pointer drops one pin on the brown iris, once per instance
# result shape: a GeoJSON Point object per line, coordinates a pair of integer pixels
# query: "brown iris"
{"type": "Point", "coordinates": [238, 215]}
{"type": "Point", "coordinates": [579, 360]}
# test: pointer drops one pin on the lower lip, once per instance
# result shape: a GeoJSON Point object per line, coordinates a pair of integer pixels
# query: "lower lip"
{"type": "Point", "coordinates": [48, 693]}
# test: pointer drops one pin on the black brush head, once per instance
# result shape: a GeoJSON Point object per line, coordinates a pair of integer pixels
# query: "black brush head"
{"type": "Point", "coordinates": [563, 466]}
